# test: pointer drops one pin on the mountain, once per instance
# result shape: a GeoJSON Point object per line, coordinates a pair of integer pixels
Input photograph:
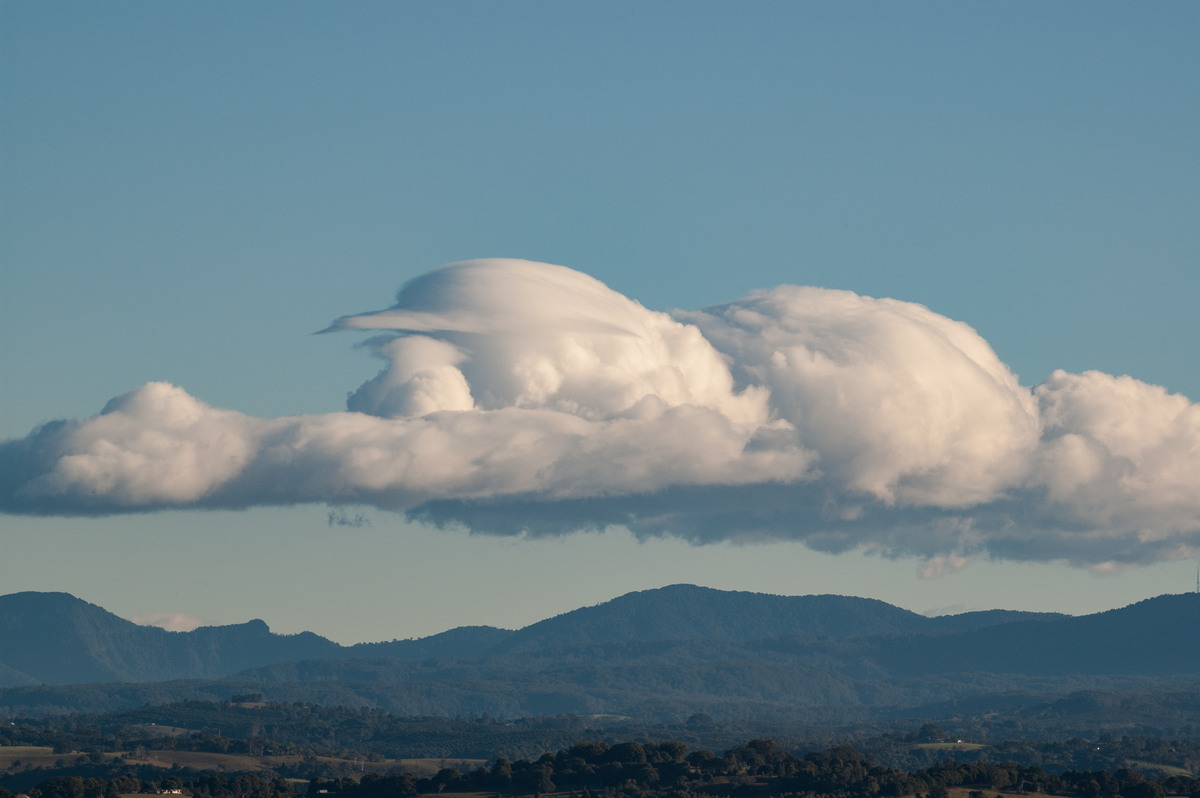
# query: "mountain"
{"type": "Point", "coordinates": [665, 653]}
{"type": "Point", "coordinates": [688, 612]}
{"type": "Point", "coordinates": [463, 641]}
{"type": "Point", "coordinates": [586, 662]}
{"type": "Point", "coordinates": [1152, 637]}
{"type": "Point", "coordinates": [980, 619]}
{"type": "Point", "coordinates": [56, 638]}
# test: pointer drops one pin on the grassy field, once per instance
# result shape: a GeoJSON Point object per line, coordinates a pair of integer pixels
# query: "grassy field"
{"type": "Point", "coordinates": [202, 760]}
{"type": "Point", "coordinates": [1156, 768]}
{"type": "Point", "coordinates": [31, 756]}
{"type": "Point", "coordinates": [429, 767]}
{"type": "Point", "coordinates": [963, 792]}
{"type": "Point", "coordinates": [157, 730]}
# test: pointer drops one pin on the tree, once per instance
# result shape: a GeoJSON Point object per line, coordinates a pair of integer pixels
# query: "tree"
{"type": "Point", "coordinates": [502, 773]}
{"type": "Point", "coordinates": [931, 733]}
{"type": "Point", "coordinates": [62, 787]}
{"type": "Point", "coordinates": [543, 782]}
{"type": "Point", "coordinates": [1144, 789]}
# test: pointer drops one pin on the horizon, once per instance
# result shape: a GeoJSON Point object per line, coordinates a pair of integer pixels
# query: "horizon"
{"type": "Point", "coordinates": [171, 624]}
{"type": "Point", "coordinates": [895, 302]}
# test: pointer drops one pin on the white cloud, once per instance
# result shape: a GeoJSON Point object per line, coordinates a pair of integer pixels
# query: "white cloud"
{"type": "Point", "coordinates": [499, 334]}
{"type": "Point", "coordinates": [171, 621]}
{"type": "Point", "coordinates": [525, 397]}
{"type": "Point", "coordinates": [153, 446]}
{"type": "Point", "coordinates": [904, 405]}
{"type": "Point", "coordinates": [939, 566]}
{"type": "Point", "coordinates": [1121, 456]}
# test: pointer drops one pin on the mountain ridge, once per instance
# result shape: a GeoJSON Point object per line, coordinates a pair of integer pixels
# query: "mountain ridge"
{"type": "Point", "coordinates": [56, 638]}
{"type": "Point", "coordinates": [91, 644]}
{"type": "Point", "coordinates": [675, 650]}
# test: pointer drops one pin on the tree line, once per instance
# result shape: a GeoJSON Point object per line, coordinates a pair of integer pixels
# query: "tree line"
{"type": "Point", "coordinates": [668, 769]}
{"type": "Point", "coordinates": [254, 728]}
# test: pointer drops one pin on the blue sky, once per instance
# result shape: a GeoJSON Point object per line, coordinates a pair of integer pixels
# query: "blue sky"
{"type": "Point", "coordinates": [190, 190]}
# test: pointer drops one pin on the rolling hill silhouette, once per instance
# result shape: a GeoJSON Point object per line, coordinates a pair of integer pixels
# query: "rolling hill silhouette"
{"type": "Point", "coordinates": [677, 649]}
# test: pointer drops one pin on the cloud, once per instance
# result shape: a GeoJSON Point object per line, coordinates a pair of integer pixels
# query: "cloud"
{"type": "Point", "coordinates": [526, 398]}
{"type": "Point", "coordinates": [171, 621]}
{"type": "Point", "coordinates": [491, 335]}
{"type": "Point", "coordinates": [904, 405]}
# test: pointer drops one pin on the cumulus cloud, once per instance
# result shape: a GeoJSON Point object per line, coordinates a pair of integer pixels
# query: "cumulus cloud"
{"type": "Point", "coordinates": [522, 397]}
{"type": "Point", "coordinates": [904, 405]}
{"type": "Point", "coordinates": [494, 334]}
{"type": "Point", "coordinates": [171, 621]}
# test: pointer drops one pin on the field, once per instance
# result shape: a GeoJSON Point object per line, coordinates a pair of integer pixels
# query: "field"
{"type": "Point", "coordinates": [1157, 768]}
{"type": "Point", "coordinates": [236, 763]}
{"type": "Point", "coordinates": [31, 756]}
{"type": "Point", "coordinates": [204, 760]}
{"type": "Point", "coordinates": [964, 792]}
{"type": "Point", "coordinates": [24, 757]}
{"type": "Point", "coordinates": [16, 759]}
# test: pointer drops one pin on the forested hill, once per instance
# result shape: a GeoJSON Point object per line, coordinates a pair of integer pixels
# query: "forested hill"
{"type": "Point", "coordinates": [55, 638]}
{"type": "Point", "coordinates": [688, 612]}
{"type": "Point", "coordinates": [665, 653]}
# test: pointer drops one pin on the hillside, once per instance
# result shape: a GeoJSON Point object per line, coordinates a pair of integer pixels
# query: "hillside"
{"type": "Point", "coordinates": [688, 612]}
{"type": "Point", "coordinates": [55, 638]}
{"type": "Point", "coordinates": [666, 653]}
{"type": "Point", "coordinates": [1153, 637]}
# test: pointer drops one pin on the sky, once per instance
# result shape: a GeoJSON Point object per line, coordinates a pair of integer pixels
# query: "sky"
{"type": "Point", "coordinates": [876, 299]}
